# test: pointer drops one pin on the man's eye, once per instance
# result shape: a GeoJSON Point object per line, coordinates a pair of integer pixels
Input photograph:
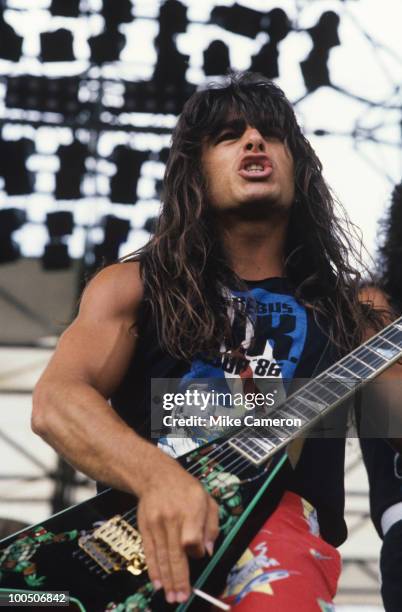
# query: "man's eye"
{"type": "Point", "coordinates": [227, 136]}
{"type": "Point", "coordinates": [274, 133]}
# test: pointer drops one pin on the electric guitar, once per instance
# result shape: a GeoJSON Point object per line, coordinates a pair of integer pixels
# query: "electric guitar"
{"type": "Point", "coordinates": [94, 551]}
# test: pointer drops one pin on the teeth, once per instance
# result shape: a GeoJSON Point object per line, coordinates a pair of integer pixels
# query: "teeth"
{"type": "Point", "coordinates": [254, 167]}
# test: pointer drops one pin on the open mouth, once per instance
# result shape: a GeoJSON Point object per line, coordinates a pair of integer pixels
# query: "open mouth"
{"type": "Point", "coordinates": [256, 168]}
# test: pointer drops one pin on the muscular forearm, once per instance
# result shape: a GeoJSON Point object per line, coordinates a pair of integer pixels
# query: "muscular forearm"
{"type": "Point", "coordinates": [81, 425]}
{"type": "Point", "coordinates": [175, 513]}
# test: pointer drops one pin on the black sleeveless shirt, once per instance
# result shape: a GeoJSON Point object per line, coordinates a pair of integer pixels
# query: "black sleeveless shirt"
{"type": "Point", "coordinates": [286, 342]}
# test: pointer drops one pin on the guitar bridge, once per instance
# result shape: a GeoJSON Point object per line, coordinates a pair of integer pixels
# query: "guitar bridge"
{"type": "Point", "coordinates": [115, 546]}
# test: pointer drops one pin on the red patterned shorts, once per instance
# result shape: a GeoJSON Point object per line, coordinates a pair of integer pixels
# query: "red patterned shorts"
{"type": "Point", "coordinates": [287, 566]}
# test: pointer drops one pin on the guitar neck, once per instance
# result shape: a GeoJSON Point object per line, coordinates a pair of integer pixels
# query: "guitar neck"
{"type": "Point", "coordinates": [322, 394]}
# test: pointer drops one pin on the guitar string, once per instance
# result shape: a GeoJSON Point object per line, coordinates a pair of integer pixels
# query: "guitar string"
{"type": "Point", "coordinates": [132, 513]}
{"type": "Point", "coordinates": [235, 464]}
{"type": "Point", "coordinates": [377, 360]}
{"type": "Point", "coordinates": [214, 455]}
{"type": "Point", "coordinates": [133, 522]}
{"type": "Point", "coordinates": [374, 361]}
{"type": "Point", "coordinates": [240, 462]}
{"type": "Point", "coordinates": [232, 466]}
{"type": "Point", "coordinates": [226, 448]}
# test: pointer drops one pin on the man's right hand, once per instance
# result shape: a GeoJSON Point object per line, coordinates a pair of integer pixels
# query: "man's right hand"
{"type": "Point", "coordinates": [176, 518]}
{"type": "Point", "coordinates": [72, 413]}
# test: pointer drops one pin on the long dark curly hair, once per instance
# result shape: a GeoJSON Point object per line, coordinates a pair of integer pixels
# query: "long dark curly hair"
{"type": "Point", "coordinates": [390, 251]}
{"type": "Point", "coordinates": [184, 267]}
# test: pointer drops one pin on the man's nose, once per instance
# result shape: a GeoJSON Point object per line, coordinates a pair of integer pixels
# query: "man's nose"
{"type": "Point", "coordinates": [254, 141]}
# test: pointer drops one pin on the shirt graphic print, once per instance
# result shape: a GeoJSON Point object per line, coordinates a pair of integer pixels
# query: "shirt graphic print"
{"type": "Point", "coordinates": [271, 340]}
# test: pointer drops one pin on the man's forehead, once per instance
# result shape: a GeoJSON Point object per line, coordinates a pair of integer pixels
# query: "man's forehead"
{"type": "Point", "coordinates": [233, 118]}
{"type": "Point", "coordinates": [232, 121]}
{"type": "Point", "coordinates": [239, 120]}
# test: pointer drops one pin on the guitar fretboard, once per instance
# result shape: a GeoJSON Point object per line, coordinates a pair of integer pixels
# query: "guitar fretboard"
{"type": "Point", "coordinates": [323, 393]}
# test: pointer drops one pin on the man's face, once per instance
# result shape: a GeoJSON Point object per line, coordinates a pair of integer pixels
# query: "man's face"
{"type": "Point", "coordinates": [248, 170]}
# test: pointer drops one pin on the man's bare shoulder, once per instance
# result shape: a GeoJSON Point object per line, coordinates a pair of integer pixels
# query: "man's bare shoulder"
{"type": "Point", "coordinates": [116, 290]}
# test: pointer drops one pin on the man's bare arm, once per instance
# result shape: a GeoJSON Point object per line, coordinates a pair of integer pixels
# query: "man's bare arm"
{"type": "Point", "coordinates": [70, 407]}
{"type": "Point", "coordinates": [71, 412]}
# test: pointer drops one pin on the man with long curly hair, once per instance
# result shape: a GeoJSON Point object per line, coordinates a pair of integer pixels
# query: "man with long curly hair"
{"type": "Point", "coordinates": [247, 276]}
{"type": "Point", "coordinates": [383, 463]}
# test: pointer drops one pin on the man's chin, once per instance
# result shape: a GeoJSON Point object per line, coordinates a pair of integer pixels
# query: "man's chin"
{"type": "Point", "coordinates": [261, 208]}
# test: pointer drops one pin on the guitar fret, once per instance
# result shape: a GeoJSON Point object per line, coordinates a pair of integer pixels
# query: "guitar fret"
{"type": "Point", "coordinates": [292, 428]}
{"type": "Point", "coordinates": [251, 435]}
{"type": "Point", "coordinates": [330, 389]}
{"type": "Point", "coordinates": [378, 359]}
{"type": "Point", "coordinates": [384, 339]}
{"type": "Point", "coordinates": [280, 413]}
{"type": "Point", "coordinates": [281, 432]}
{"type": "Point", "coordinates": [396, 332]}
{"type": "Point", "coordinates": [271, 438]}
{"type": "Point", "coordinates": [323, 389]}
{"type": "Point", "coordinates": [255, 450]}
{"type": "Point", "coordinates": [322, 393]}
{"type": "Point", "coordinates": [248, 446]}
{"type": "Point", "coordinates": [290, 413]}
{"type": "Point", "coordinates": [274, 439]}
{"type": "Point", "coordinates": [359, 368]}
{"type": "Point", "coordinates": [315, 398]}
{"type": "Point", "coordinates": [297, 413]}
{"type": "Point", "coordinates": [352, 376]}
{"type": "Point", "coordinates": [266, 443]}
{"type": "Point", "coordinates": [306, 409]}
{"type": "Point", "coordinates": [336, 383]}
{"type": "Point", "coordinates": [258, 445]}
{"type": "Point", "coordinates": [363, 362]}
{"type": "Point", "coordinates": [277, 430]}
{"type": "Point", "coordinates": [334, 377]}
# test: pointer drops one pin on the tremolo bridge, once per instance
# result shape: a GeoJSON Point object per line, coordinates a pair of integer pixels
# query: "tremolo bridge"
{"type": "Point", "coordinates": [115, 546]}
